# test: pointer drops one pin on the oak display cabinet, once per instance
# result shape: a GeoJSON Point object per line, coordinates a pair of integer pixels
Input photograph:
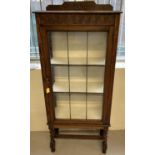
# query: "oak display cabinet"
{"type": "Point", "coordinates": [77, 44]}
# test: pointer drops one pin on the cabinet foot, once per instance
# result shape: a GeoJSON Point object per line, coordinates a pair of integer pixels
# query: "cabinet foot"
{"type": "Point", "coordinates": [104, 146]}
{"type": "Point", "coordinates": [52, 145]}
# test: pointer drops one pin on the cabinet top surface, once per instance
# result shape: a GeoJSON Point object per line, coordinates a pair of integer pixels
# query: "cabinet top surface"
{"type": "Point", "coordinates": [77, 11]}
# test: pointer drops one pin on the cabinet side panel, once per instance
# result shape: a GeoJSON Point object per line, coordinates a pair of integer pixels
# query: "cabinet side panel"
{"type": "Point", "coordinates": [46, 72]}
{"type": "Point", "coordinates": [110, 69]}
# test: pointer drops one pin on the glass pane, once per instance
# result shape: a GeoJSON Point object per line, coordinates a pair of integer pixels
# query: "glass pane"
{"type": "Point", "coordinates": [97, 42]}
{"type": "Point", "coordinates": [62, 109]}
{"type": "Point", "coordinates": [78, 64]}
{"type": "Point", "coordinates": [60, 79]}
{"type": "Point", "coordinates": [77, 47]}
{"type": "Point", "coordinates": [59, 48]}
{"type": "Point", "coordinates": [78, 106]}
{"type": "Point", "coordinates": [77, 79]}
{"type": "Point", "coordinates": [94, 106]}
{"type": "Point", "coordinates": [95, 79]}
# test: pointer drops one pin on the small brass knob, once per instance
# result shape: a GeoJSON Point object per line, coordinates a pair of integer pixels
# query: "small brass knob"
{"type": "Point", "coordinates": [47, 90]}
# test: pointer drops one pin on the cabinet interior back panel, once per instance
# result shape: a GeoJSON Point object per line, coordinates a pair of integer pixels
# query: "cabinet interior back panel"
{"type": "Point", "coordinates": [77, 44]}
{"type": "Point", "coordinates": [97, 44]}
{"type": "Point", "coordinates": [75, 57]}
{"type": "Point", "coordinates": [80, 106]}
{"type": "Point", "coordinates": [78, 47]}
{"type": "Point", "coordinates": [94, 106]}
{"type": "Point", "coordinates": [59, 44]}
{"type": "Point", "coordinates": [75, 77]}
{"type": "Point", "coordinates": [60, 73]}
{"type": "Point", "coordinates": [62, 109]}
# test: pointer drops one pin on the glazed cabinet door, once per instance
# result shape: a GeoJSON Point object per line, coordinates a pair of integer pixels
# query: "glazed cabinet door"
{"type": "Point", "coordinates": [77, 63]}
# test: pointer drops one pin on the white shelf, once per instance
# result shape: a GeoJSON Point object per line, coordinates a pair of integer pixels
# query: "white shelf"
{"type": "Point", "coordinates": [77, 61]}
{"type": "Point", "coordinates": [96, 61]}
{"type": "Point", "coordinates": [59, 60]}
{"type": "Point", "coordinates": [61, 86]}
{"type": "Point", "coordinates": [95, 87]}
{"type": "Point", "coordinates": [76, 86]}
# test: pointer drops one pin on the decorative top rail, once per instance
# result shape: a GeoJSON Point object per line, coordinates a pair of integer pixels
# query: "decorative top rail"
{"type": "Point", "coordinates": [90, 5]}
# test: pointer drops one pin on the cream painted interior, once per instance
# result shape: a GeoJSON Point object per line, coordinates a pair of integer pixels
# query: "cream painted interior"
{"type": "Point", "coordinates": [77, 43]}
{"type": "Point", "coordinates": [38, 114]}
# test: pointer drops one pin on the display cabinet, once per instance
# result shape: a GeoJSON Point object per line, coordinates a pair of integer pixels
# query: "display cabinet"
{"type": "Point", "coordinates": [77, 44]}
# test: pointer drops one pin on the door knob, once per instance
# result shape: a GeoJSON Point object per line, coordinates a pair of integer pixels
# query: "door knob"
{"type": "Point", "coordinates": [47, 90]}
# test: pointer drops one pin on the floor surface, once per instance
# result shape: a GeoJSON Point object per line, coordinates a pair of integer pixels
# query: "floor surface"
{"type": "Point", "coordinates": [40, 145]}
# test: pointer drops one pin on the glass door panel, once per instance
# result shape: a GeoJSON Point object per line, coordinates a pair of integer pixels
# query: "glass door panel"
{"type": "Point", "coordinates": [77, 63]}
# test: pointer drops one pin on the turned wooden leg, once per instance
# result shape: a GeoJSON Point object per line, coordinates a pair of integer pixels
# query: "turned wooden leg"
{"type": "Point", "coordinates": [104, 143]}
{"type": "Point", "coordinates": [52, 143]}
{"type": "Point", "coordinates": [104, 146]}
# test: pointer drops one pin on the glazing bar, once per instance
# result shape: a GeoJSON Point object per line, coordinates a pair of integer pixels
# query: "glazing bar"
{"type": "Point", "coordinates": [68, 75]}
{"type": "Point", "coordinates": [86, 75]}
